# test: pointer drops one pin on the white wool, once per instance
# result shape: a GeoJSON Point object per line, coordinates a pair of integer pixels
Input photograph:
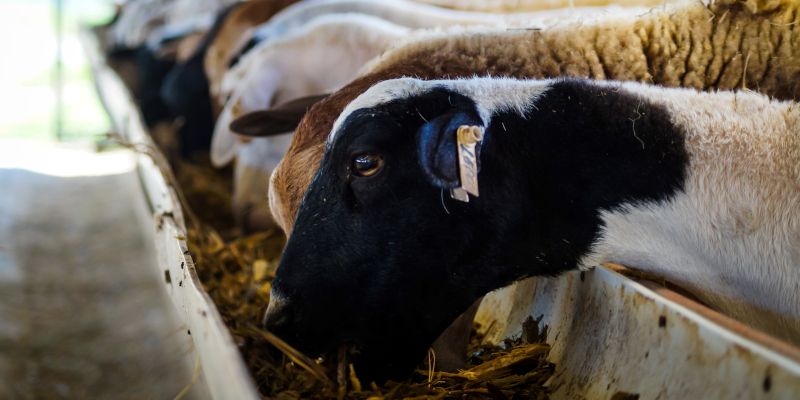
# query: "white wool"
{"type": "Point", "coordinates": [153, 20]}
{"type": "Point", "coordinates": [491, 95]}
{"type": "Point", "coordinates": [402, 12]}
{"type": "Point", "coordinates": [178, 29]}
{"type": "Point", "coordinates": [184, 10]}
{"type": "Point", "coordinates": [568, 19]}
{"type": "Point", "coordinates": [137, 20]}
{"type": "Point", "coordinates": [416, 16]}
{"type": "Point", "coordinates": [320, 56]}
{"type": "Point", "coordinates": [732, 237]}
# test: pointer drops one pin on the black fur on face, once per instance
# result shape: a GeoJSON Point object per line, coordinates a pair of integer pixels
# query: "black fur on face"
{"type": "Point", "coordinates": [386, 262]}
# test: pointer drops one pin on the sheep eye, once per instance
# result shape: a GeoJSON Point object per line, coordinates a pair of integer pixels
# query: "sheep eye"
{"type": "Point", "coordinates": [366, 165]}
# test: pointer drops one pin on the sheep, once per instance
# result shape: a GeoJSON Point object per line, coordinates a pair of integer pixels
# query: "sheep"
{"type": "Point", "coordinates": [160, 34]}
{"type": "Point", "coordinates": [231, 38]}
{"type": "Point", "coordinates": [323, 53]}
{"type": "Point", "coordinates": [402, 12]}
{"type": "Point", "coordinates": [701, 188]}
{"type": "Point", "coordinates": [273, 72]}
{"type": "Point", "coordinates": [725, 45]}
{"type": "Point", "coordinates": [186, 89]}
{"type": "Point", "coordinates": [136, 20]}
{"type": "Point", "coordinates": [165, 34]}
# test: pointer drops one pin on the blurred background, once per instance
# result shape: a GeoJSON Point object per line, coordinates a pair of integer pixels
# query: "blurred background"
{"type": "Point", "coordinates": [29, 74]}
{"type": "Point", "coordinates": [82, 311]}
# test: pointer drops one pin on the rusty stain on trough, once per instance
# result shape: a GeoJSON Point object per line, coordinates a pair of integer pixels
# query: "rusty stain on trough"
{"type": "Point", "coordinates": [612, 334]}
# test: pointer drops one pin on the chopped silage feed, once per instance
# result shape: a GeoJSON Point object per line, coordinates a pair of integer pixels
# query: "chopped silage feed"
{"type": "Point", "coordinates": [236, 271]}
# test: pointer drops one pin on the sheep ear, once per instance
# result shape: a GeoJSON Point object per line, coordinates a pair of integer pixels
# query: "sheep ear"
{"type": "Point", "coordinates": [438, 154]}
{"type": "Point", "coordinates": [282, 118]}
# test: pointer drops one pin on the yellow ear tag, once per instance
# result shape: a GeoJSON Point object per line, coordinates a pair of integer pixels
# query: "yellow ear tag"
{"type": "Point", "coordinates": [468, 137]}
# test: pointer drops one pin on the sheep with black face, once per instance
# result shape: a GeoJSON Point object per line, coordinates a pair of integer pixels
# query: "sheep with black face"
{"type": "Point", "coordinates": [700, 188]}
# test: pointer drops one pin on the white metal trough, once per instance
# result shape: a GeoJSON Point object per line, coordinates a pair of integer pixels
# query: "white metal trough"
{"type": "Point", "coordinates": [612, 337]}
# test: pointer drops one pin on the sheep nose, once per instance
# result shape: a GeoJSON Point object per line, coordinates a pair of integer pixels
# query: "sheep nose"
{"type": "Point", "coordinates": [278, 316]}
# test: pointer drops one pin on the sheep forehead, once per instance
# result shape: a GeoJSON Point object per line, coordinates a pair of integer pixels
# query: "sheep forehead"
{"type": "Point", "coordinates": [489, 94]}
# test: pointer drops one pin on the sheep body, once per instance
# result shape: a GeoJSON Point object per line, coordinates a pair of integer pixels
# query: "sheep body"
{"type": "Point", "coordinates": [153, 20]}
{"type": "Point", "coordinates": [232, 37]}
{"type": "Point", "coordinates": [732, 237]}
{"type": "Point", "coordinates": [532, 5]}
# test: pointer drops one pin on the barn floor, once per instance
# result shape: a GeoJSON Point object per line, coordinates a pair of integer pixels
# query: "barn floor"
{"type": "Point", "coordinates": [81, 311]}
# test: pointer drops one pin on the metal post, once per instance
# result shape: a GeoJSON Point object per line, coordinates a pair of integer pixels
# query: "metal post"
{"type": "Point", "coordinates": [58, 84]}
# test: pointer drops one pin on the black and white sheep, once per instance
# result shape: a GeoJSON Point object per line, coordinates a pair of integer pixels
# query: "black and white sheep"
{"type": "Point", "coordinates": [701, 188]}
